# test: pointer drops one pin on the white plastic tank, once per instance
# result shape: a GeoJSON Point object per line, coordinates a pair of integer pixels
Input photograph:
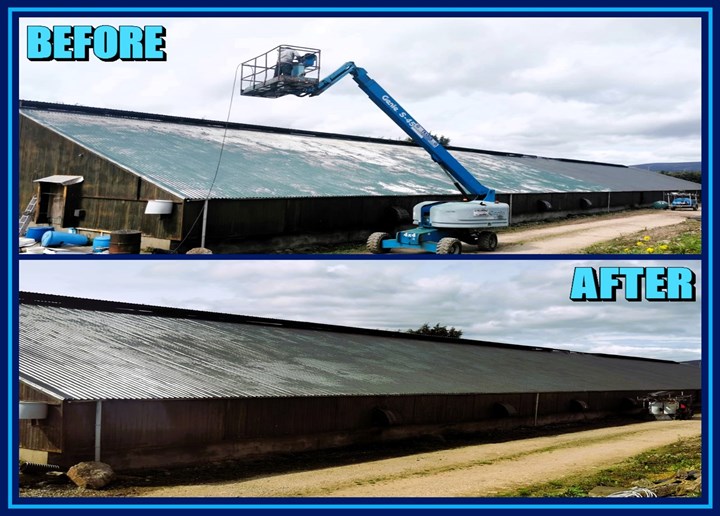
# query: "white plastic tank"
{"type": "Point", "coordinates": [657, 408]}
{"type": "Point", "coordinates": [32, 410]}
{"type": "Point", "coordinates": [671, 407]}
{"type": "Point", "coordinates": [159, 208]}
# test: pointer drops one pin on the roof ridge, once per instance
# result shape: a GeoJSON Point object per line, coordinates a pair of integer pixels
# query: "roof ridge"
{"type": "Point", "coordinates": [139, 115]}
{"type": "Point", "coordinates": [36, 298]}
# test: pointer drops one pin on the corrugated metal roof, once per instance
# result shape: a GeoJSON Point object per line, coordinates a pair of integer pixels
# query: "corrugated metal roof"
{"type": "Point", "coordinates": [182, 158]}
{"type": "Point", "coordinates": [88, 354]}
{"type": "Point", "coordinates": [61, 180]}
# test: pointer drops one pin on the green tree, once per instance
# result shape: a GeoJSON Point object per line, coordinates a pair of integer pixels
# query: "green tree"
{"type": "Point", "coordinates": [687, 175]}
{"type": "Point", "coordinates": [442, 140]}
{"type": "Point", "coordinates": [437, 331]}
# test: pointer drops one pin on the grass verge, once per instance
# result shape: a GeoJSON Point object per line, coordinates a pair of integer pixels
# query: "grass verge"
{"type": "Point", "coordinates": [683, 238]}
{"type": "Point", "coordinates": [654, 465]}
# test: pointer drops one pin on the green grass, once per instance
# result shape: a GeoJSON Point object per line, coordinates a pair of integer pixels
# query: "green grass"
{"type": "Point", "coordinates": [684, 238]}
{"type": "Point", "coordinates": [654, 465]}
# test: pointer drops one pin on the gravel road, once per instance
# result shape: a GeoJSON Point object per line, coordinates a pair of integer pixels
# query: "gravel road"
{"type": "Point", "coordinates": [471, 471]}
{"type": "Point", "coordinates": [572, 237]}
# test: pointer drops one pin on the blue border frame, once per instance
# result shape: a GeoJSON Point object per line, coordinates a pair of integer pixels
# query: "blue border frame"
{"type": "Point", "coordinates": [705, 13]}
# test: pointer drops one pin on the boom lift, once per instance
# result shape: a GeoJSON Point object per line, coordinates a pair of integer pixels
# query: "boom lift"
{"type": "Point", "coordinates": [441, 226]}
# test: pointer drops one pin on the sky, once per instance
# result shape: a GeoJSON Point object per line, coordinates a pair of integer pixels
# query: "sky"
{"type": "Point", "coordinates": [510, 301]}
{"type": "Point", "coordinates": [617, 90]}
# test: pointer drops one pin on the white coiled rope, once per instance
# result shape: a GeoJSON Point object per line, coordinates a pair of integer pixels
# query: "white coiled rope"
{"type": "Point", "coordinates": [635, 492]}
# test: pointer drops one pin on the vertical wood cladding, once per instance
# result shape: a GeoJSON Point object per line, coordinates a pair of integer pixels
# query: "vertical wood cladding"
{"type": "Point", "coordinates": [112, 197]}
{"type": "Point", "coordinates": [158, 432]}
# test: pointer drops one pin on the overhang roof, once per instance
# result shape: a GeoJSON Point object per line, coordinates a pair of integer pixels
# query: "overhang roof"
{"type": "Point", "coordinates": [181, 156]}
{"type": "Point", "coordinates": [60, 180]}
{"type": "Point", "coordinates": [89, 350]}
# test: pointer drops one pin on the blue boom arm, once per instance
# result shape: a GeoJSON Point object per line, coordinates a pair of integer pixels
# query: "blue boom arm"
{"type": "Point", "coordinates": [461, 178]}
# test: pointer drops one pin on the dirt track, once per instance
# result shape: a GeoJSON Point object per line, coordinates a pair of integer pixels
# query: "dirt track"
{"type": "Point", "coordinates": [471, 471]}
{"type": "Point", "coordinates": [572, 237]}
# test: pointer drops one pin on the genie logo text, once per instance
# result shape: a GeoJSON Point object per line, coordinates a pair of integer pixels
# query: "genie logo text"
{"type": "Point", "coordinates": [106, 43]}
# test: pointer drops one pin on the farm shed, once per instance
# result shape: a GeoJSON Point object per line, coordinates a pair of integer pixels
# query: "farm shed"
{"type": "Point", "coordinates": [144, 386]}
{"type": "Point", "coordinates": [275, 186]}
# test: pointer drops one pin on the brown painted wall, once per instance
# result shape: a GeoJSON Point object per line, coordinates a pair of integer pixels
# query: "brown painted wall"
{"type": "Point", "coordinates": [151, 433]}
{"type": "Point", "coordinates": [251, 219]}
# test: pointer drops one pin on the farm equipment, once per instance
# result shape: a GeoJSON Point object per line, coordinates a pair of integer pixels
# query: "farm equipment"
{"type": "Point", "coordinates": [668, 405]}
{"type": "Point", "coordinates": [442, 226]}
{"type": "Point", "coordinates": [682, 200]}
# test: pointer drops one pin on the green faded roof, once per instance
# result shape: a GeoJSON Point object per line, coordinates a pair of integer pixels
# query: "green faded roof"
{"type": "Point", "coordinates": [181, 156]}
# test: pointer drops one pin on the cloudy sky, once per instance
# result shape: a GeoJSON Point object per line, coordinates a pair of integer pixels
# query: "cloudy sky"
{"type": "Point", "coordinates": [607, 89]}
{"type": "Point", "coordinates": [513, 301]}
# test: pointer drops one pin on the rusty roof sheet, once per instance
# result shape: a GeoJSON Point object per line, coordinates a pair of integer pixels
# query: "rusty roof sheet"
{"type": "Point", "coordinates": [140, 352]}
{"type": "Point", "coordinates": [181, 156]}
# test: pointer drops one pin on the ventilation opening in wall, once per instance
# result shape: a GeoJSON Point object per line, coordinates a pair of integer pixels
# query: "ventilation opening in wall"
{"type": "Point", "coordinates": [502, 409]}
{"type": "Point", "coordinates": [578, 406]}
{"type": "Point", "coordinates": [585, 203]}
{"type": "Point", "coordinates": [385, 417]}
{"type": "Point", "coordinates": [543, 206]}
{"type": "Point", "coordinates": [628, 404]}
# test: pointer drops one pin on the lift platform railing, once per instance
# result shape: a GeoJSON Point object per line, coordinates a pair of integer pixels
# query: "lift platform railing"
{"type": "Point", "coordinates": [262, 76]}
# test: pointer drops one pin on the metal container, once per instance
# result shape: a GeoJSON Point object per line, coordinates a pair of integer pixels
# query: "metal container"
{"type": "Point", "coordinates": [32, 410]}
{"type": "Point", "coordinates": [125, 241]}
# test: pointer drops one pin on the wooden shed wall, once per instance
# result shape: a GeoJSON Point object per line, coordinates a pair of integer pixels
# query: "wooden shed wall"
{"type": "Point", "coordinates": [44, 434]}
{"type": "Point", "coordinates": [112, 198]}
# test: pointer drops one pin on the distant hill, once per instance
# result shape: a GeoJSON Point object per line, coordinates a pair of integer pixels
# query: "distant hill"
{"type": "Point", "coordinates": [687, 166]}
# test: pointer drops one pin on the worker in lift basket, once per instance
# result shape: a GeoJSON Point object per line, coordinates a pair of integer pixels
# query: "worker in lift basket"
{"type": "Point", "coordinates": [285, 61]}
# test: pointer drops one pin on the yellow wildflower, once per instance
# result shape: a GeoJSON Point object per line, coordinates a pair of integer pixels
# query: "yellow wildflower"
{"type": "Point", "coordinates": [646, 238]}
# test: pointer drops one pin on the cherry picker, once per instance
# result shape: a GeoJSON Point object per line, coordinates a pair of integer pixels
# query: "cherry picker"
{"type": "Point", "coordinates": [441, 226]}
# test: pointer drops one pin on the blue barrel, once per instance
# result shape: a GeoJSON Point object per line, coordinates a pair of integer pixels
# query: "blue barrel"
{"type": "Point", "coordinates": [37, 232]}
{"type": "Point", "coordinates": [101, 243]}
{"type": "Point", "coordinates": [58, 238]}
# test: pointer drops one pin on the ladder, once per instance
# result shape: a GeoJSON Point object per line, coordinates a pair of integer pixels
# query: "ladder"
{"type": "Point", "coordinates": [25, 218]}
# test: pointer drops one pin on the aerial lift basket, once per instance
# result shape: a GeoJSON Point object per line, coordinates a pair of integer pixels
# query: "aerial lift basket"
{"type": "Point", "coordinates": [262, 76]}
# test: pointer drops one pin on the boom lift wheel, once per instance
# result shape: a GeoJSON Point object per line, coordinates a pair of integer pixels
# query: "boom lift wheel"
{"type": "Point", "coordinates": [449, 245]}
{"type": "Point", "coordinates": [487, 241]}
{"type": "Point", "coordinates": [374, 243]}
